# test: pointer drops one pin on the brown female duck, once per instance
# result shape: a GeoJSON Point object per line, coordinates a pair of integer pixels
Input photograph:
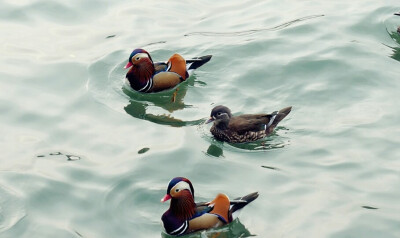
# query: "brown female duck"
{"type": "Point", "coordinates": [243, 128]}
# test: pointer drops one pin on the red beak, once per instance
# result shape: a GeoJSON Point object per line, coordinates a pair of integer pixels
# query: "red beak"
{"type": "Point", "coordinates": [128, 65]}
{"type": "Point", "coordinates": [166, 198]}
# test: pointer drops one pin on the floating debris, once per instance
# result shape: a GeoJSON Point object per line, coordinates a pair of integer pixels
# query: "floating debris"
{"type": "Point", "coordinates": [70, 157]}
{"type": "Point", "coordinates": [157, 42]}
{"type": "Point", "coordinates": [56, 153]}
{"type": "Point", "coordinates": [73, 157]}
{"type": "Point", "coordinates": [79, 234]}
{"type": "Point", "coordinates": [369, 207]}
{"type": "Point", "coordinates": [269, 167]}
{"type": "Point", "coordinates": [144, 150]}
{"type": "Point", "coordinates": [110, 36]}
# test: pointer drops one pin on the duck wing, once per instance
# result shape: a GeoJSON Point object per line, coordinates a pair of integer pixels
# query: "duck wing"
{"type": "Point", "coordinates": [160, 67]}
{"type": "Point", "coordinates": [249, 123]}
{"type": "Point", "coordinates": [257, 122]}
{"type": "Point", "coordinates": [203, 207]}
{"type": "Point", "coordinates": [165, 80]}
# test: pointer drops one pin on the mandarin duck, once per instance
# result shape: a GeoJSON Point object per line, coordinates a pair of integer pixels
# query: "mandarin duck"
{"type": "Point", "coordinates": [185, 216]}
{"type": "Point", "coordinates": [398, 29]}
{"type": "Point", "coordinates": [146, 76]}
{"type": "Point", "coordinates": [243, 128]}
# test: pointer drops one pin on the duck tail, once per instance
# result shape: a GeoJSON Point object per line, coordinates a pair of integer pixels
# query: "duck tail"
{"type": "Point", "coordinates": [283, 113]}
{"type": "Point", "coordinates": [239, 203]}
{"type": "Point", "coordinates": [276, 117]}
{"type": "Point", "coordinates": [192, 64]}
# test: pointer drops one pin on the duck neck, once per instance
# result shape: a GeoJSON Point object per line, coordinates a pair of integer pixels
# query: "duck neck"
{"type": "Point", "coordinates": [183, 207]}
{"type": "Point", "coordinates": [140, 75]}
{"type": "Point", "coordinates": [222, 124]}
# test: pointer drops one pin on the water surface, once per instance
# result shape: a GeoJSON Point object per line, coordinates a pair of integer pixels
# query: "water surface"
{"type": "Point", "coordinates": [82, 156]}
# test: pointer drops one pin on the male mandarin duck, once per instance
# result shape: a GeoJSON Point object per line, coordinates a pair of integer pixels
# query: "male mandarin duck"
{"type": "Point", "coordinates": [398, 29]}
{"type": "Point", "coordinates": [185, 216]}
{"type": "Point", "coordinates": [243, 128]}
{"type": "Point", "coordinates": [146, 76]}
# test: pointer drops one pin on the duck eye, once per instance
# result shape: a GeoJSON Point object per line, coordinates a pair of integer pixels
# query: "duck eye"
{"type": "Point", "coordinates": [137, 58]}
{"type": "Point", "coordinates": [219, 114]}
{"type": "Point", "coordinates": [177, 190]}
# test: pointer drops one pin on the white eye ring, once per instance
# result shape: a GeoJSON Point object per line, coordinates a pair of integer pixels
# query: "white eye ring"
{"type": "Point", "coordinates": [137, 58]}
{"type": "Point", "coordinates": [177, 190]}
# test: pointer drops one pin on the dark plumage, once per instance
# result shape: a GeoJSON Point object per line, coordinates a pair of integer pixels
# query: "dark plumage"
{"type": "Point", "coordinates": [185, 216]}
{"type": "Point", "coordinates": [243, 128]}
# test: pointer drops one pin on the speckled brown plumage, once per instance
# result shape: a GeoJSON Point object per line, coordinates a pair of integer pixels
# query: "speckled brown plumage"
{"type": "Point", "coordinates": [244, 128]}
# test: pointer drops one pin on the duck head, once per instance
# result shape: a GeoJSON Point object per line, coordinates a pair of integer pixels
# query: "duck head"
{"type": "Point", "coordinates": [137, 56]}
{"type": "Point", "coordinates": [141, 67]}
{"type": "Point", "coordinates": [180, 191]}
{"type": "Point", "coordinates": [220, 115]}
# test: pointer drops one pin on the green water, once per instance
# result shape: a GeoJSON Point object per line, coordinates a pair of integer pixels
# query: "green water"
{"type": "Point", "coordinates": [83, 157]}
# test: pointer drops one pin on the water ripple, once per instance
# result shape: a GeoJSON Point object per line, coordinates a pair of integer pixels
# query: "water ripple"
{"type": "Point", "coordinates": [253, 31]}
{"type": "Point", "coordinates": [106, 85]}
{"type": "Point", "coordinates": [271, 142]}
{"type": "Point", "coordinates": [11, 209]}
{"type": "Point", "coordinates": [233, 229]}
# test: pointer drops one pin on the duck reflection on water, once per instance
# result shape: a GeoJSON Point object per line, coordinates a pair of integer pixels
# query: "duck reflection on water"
{"type": "Point", "coordinates": [233, 229]}
{"type": "Point", "coordinates": [169, 80]}
{"type": "Point", "coordinates": [170, 101]}
{"type": "Point", "coordinates": [396, 37]}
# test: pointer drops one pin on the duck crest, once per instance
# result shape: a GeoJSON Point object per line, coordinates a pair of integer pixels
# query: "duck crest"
{"type": "Point", "coordinates": [140, 75]}
{"type": "Point", "coordinates": [184, 207]}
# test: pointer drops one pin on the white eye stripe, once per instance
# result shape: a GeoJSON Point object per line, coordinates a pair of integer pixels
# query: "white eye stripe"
{"type": "Point", "coordinates": [140, 55]}
{"type": "Point", "coordinates": [181, 186]}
